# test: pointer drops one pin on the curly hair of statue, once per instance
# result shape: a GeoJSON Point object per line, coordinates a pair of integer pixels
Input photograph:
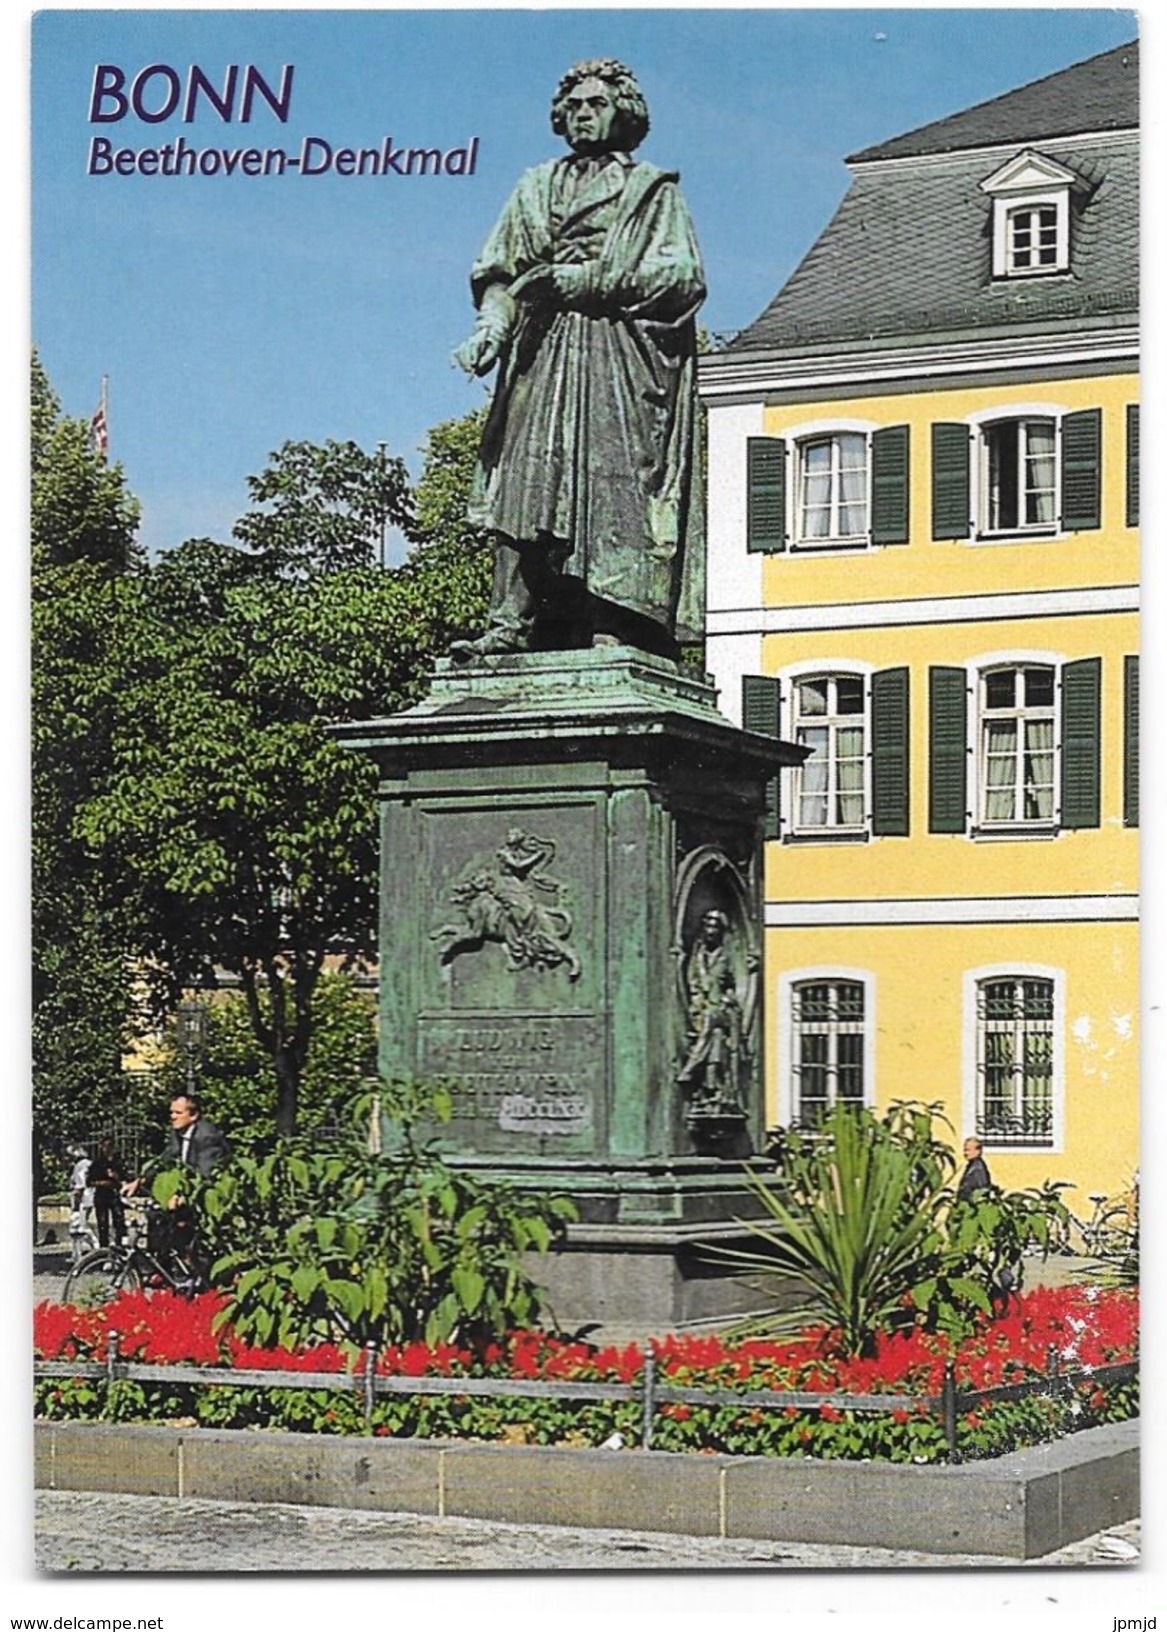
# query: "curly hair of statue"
{"type": "Point", "coordinates": [630, 103]}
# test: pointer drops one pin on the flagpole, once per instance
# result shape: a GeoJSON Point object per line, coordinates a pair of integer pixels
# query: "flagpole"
{"type": "Point", "coordinates": [99, 423]}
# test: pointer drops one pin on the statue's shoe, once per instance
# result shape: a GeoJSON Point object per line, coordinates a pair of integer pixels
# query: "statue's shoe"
{"type": "Point", "coordinates": [492, 643]}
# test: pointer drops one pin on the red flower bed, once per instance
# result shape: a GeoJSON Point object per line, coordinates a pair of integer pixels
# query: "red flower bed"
{"type": "Point", "coordinates": [1084, 1326]}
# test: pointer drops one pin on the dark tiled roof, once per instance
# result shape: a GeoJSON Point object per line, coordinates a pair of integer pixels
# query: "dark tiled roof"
{"type": "Point", "coordinates": [908, 254]}
{"type": "Point", "coordinates": [1099, 94]}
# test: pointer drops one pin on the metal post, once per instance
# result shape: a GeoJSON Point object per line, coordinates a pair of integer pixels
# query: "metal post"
{"type": "Point", "coordinates": [948, 1408]}
{"type": "Point", "coordinates": [381, 504]}
{"type": "Point", "coordinates": [111, 1364]}
{"type": "Point", "coordinates": [369, 1379]}
{"type": "Point", "coordinates": [1051, 1361]}
{"type": "Point", "coordinates": [649, 1395]}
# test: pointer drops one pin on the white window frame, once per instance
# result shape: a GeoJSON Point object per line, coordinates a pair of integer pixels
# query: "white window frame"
{"type": "Point", "coordinates": [789, 679]}
{"type": "Point", "coordinates": [973, 980]}
{"type": "Point", "coordinates": [1032, 207]}
{"type": "Point", "coordinates": [981, 424]}
{"type": "Point", "coordinates": [788, 1067]}
{"type": "Point", "coordinates": [799, 437]}
{"type": "Point", "coordinates": [1018, 827]}
{"type": "Point", "coordinates": [1019, 526]}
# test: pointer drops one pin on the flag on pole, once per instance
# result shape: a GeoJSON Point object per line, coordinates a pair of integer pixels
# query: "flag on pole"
{"type": "Point", "coordinates": [99, 424]}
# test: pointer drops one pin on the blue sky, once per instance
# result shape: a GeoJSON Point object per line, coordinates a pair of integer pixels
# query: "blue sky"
{"type": "Point", "coordinates": [233, 313]}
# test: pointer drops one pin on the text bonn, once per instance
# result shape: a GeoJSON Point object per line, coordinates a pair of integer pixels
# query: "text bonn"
{"type": "Point", "coordinates": [158, 92]}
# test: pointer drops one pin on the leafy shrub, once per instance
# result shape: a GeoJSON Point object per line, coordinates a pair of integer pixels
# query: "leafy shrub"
{"type": "Point", "coordinates": [352, 1246]}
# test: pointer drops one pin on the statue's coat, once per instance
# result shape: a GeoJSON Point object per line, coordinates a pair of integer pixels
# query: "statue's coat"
{"type": "Point", "coordinates": [591, 437]}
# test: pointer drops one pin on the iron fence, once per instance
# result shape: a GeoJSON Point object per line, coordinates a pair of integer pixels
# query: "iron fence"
{"type": "Point", "coordinates": [947, 1406]}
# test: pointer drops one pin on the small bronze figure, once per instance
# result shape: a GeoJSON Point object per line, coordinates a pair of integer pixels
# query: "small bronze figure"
{"type": "Point", "coordinates": [712, 1065]}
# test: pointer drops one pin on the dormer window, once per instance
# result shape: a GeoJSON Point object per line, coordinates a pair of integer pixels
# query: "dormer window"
{"type": "Point", "coordinates": [1032, 239]}
{"type": "Point", "coordinates": [1031, 216]}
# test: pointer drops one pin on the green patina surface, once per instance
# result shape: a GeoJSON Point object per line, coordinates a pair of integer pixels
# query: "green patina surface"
{"type": "Point", "coordinates": [554, 828]}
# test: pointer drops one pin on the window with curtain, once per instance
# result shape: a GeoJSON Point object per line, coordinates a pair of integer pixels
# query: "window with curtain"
{"type": "Point", "coordinates": [1015, 1053]}
{"type": "Point", "coordinates": [1020, 475]}
{"type": "Point", "coordinates": [830, 718]}
{"type": "Point", "coordinates": [828, 1019]}
{"type": "Point", "coordinates": [832, 489]}
{"type": "Point", "coordinates": [1017, 771]}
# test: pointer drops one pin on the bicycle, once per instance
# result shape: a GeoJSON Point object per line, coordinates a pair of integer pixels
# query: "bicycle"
{"type": "Point", "coordinates": [160, 1261]}
{"type": "Point", "coordinates": [1107, 1233]}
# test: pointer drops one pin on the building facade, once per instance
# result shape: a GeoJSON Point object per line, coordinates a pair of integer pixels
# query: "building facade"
{"type": "Point", "coordinates": [923, 565]}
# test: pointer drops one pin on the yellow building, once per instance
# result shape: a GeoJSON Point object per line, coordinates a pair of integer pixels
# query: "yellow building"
{"type": "Point", "coordinates": [923, 567]}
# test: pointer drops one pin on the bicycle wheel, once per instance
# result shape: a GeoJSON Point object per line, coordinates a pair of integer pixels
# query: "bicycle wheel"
{"type": "Point", "coordinates": [99, 1277]}
{"type": "Point", "coordinates": [1110, 1237]}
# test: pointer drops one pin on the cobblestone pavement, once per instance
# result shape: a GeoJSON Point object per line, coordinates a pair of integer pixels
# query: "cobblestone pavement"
{"type": "Point", "coordinates": [88, 1532]}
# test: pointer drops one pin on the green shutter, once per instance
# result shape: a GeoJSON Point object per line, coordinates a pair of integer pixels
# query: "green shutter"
{"type": "Point", "coordinates": [765, 494]}
{"type": "Point", "coordinates": [889, 485]}
{"type": "Point", "coordinates": [951, 451]}
{"type": "Point", "coordinates": [1132, 464]}
{"type": "Point", "coordinates": [1082, 470]}
{"type": "Point", "coordinates": [947, 750]}
{"type": "Point", "coordinates": [1130, 743]}
{"type": "Point", "coordinates": [889, 753]}
{"type": "Point", "coordinates": [761, 712]}
{"type": "Point", "coordinates": [1081, 726]}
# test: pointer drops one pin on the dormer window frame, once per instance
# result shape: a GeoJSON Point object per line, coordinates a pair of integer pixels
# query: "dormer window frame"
{"type": "Point", "coordinates": [1029, 183]}
{"type": "Point", "coordinates": [1007, 251]}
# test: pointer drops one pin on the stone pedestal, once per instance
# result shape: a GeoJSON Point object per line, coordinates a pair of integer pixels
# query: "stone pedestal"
{"type": "Point", "coordinates": [571, 938]}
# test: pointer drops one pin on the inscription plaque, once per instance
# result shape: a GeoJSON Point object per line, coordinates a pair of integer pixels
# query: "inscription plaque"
{"type": "Point", "coordinates": [534, 1074]}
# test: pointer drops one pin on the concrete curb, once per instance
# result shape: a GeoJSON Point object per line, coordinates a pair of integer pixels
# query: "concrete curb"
{"type": "Point", "coordinates": [1020, 1506]}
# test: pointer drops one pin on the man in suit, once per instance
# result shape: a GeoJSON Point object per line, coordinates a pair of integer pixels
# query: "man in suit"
{"type": "Point", "coordinates": [194, 1140]}
{"type": "Point", "coordinates": [976, 1174]}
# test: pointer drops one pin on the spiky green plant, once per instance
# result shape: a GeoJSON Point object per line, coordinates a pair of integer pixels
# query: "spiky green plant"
{"type": "Point", "coordinates": [854, 1216]}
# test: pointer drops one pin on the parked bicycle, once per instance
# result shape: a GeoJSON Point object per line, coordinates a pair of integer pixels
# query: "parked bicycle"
{"type": "Point", "coordinates": [159, 1252]}
{"type": "Point", "coordinates": [1108, 1232]}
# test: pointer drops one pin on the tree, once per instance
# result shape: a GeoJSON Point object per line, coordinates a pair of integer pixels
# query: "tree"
{"type": "Point", "coordinates": [84, 556]}
{"type": "Point", "coordinates": [327, 510]}
{"type": "Point", "coordinates": [249, 833]}
{"type": "Point", "coordinates": [235, 1076]}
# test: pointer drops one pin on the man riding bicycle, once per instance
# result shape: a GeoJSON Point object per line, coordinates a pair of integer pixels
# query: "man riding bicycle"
{"type": "Point", "coordinates": [198, 1143]}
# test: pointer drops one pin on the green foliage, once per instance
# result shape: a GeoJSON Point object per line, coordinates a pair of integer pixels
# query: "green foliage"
{"type": "Point", "coordinates": [861, 1213]}
{"type": "Point", "coordinates": [346, 1245]}
{"type": "Point", "coordinates": [191, 810]}
{"type": "Point", "coordinates": [326, 508]}
{"type": "Point", "coordinates": [249, 833]}
{"type": "Point", "coordinates": [235, 1075]}
{"type": "Point", "coordinates": [80, 507]}
{"type": "Point", "coordinates": [84, 560]}
{"type": "Point", "coordinates": [994, 1230]}
{"type": "Point", "coordinates": [451, 560]}
{"type": "Point", "coordinates": [724, 1427]}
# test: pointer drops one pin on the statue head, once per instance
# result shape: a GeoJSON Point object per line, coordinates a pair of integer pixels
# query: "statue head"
{"type": "Point", "coordinates": [629, 124]}
{"type": "Point", "coordinates": [714, 926]}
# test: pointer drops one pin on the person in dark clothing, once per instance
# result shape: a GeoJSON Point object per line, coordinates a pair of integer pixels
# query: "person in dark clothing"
{"type": "Point", "coordinates": [106, 1178]}
{"type": "Point", "coordinates": [976, 1174]}
{"type": "Point", "coordinates": [194, 1141]}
